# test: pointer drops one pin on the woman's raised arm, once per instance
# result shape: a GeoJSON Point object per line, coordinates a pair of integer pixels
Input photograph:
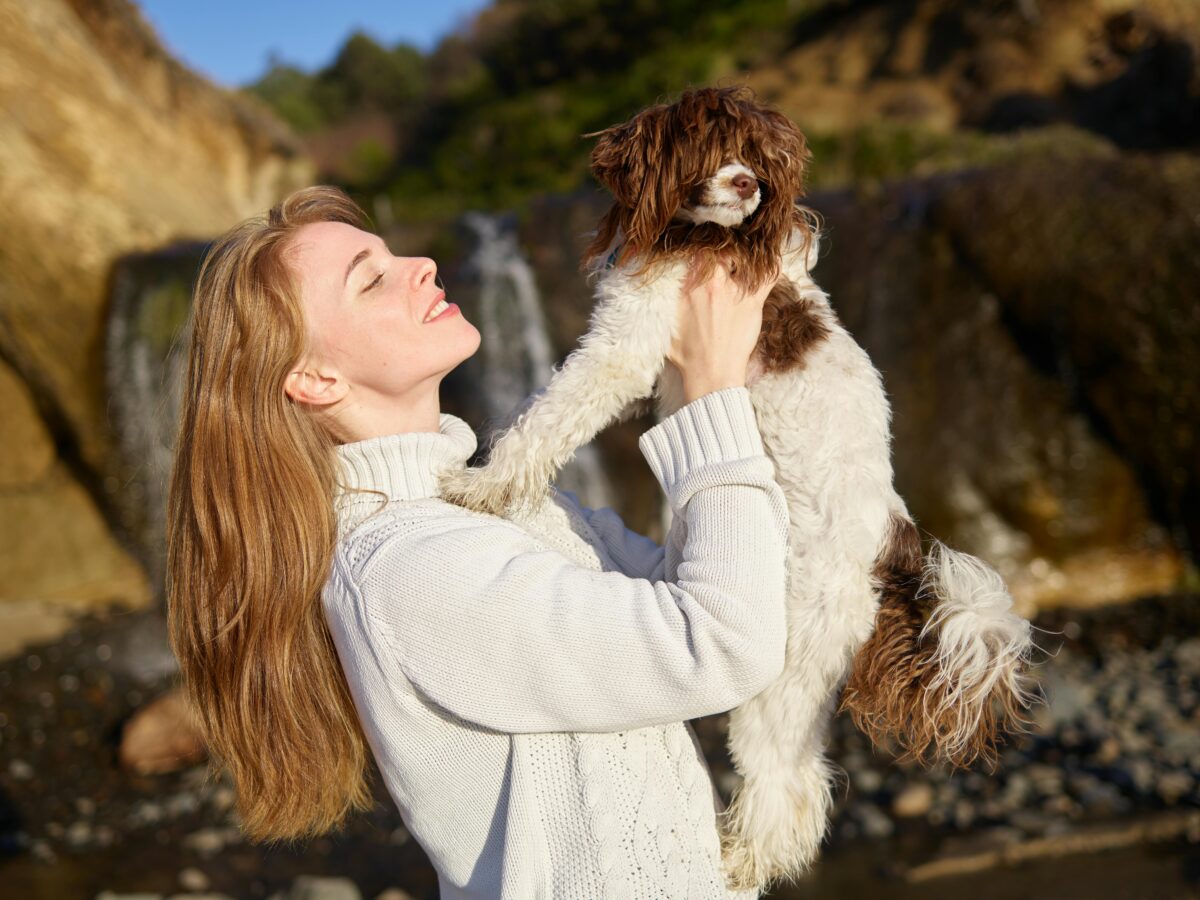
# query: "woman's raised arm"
{"type": "Point", "coordinates": [497, 629]}
{"type": "Point", "coordinates": [635, 554]}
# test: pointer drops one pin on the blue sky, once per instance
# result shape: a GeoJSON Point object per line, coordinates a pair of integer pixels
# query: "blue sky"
{"type": "Point", "coordinates": [230, 42]}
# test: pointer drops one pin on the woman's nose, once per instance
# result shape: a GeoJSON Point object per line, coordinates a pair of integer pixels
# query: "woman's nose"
{"type": "Point", "coordinates": [424, 270]}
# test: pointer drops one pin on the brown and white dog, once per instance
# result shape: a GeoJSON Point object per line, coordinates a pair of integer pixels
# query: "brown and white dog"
{"type": "Point", "coordinates": [923, 648]}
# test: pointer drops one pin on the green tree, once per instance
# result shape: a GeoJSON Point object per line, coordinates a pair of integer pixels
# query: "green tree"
{"type": "Point", "coordinates": [365, 75]}
{"type": "Point", "coordinates": [289, 91]}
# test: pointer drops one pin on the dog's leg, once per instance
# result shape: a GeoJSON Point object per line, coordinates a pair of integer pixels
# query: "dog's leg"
{"type": "Point", "coordinates": [982, 656]}
{"type": "Point", "coordinates": [779, 815]}
{"type": "Point", "coordinates": [619, 358]}
{"type": "Point", "coordinates": [826, 433]}
{"type": "Point", "coordinates": [946, 651]}
{"type": "Point", "coordinates": [945, 673]}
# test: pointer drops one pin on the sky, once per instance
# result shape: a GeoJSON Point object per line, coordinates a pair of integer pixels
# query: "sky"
{"type": "Point", "coordinates": [230, 41]}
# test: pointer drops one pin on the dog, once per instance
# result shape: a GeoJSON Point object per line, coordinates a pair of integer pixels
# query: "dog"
{"type": "Point", "coordinates": [923, 648]}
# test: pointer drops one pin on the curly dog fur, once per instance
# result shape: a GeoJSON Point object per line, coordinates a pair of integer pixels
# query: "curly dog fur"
{"type": "Point", "coordinates": [926, 645]}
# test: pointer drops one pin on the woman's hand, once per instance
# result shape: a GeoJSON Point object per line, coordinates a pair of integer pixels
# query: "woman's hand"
{"type": "Point", "coordinates": [717, 331]}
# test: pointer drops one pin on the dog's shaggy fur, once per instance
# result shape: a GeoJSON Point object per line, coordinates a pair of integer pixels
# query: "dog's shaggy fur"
{"type": "Point", "coordinates": [926, 647]}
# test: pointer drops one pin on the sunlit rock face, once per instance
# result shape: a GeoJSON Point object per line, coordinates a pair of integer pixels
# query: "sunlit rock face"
{"type": "Point", "coordinates": [59, 555]}
{"type": "Point", "coordinates": [107, 147]}
{"type": "Point", "coordinates": [1124, 69]}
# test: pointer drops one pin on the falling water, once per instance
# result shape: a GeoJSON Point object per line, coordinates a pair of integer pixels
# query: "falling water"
{"type": "Point", "coordinates": [145, 355]}
{"type": "Point", "coordinates": [516, 353]}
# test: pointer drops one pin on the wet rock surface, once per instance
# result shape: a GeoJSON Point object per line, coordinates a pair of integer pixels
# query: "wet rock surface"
{"type": "Point", "coordinates": [1119, 739]}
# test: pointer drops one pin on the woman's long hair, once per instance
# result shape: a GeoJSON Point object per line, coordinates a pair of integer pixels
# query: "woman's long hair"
{"type": "Point", "coordinates": [251, 531]}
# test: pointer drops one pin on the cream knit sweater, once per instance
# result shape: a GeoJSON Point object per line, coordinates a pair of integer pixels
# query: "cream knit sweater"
{"type": "Point", "coordinates": [525, 687]}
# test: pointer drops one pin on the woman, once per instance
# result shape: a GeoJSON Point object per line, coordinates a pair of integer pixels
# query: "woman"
{"type": "Point", "coordinates": [524, 697]}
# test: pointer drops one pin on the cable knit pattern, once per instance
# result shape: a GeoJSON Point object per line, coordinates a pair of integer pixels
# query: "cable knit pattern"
{"type": "Point", "coordinates": [524, 685]}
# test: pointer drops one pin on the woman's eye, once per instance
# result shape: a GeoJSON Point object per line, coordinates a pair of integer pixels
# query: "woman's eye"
{"type": "Point", "coordinates": [378, 278]}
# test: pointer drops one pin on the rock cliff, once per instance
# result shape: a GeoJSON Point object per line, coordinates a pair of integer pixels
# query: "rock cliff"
{"type": "Point", "coordinates": [108, 147]}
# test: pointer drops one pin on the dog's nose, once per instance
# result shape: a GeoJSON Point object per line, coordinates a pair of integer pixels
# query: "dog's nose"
{"type": "Point", "coordinates": [744, 185]}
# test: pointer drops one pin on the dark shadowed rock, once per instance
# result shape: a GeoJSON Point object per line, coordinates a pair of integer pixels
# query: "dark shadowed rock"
{"type": "Point", "coordinates": [1000, 443]}
{"type": "Point", "coordinates": [1098, 273]}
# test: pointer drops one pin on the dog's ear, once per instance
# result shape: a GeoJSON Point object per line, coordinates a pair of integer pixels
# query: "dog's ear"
{"type": "Point", "coordinates": [616, 161]}
{"type": "Point", "coordinates": [638, 161]}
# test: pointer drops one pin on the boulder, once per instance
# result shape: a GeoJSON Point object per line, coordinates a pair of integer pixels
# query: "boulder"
{"type": "Point", "coordinates": [162, 736]}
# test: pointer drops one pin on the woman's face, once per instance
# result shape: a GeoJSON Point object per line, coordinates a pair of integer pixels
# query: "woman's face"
{"type": "Point", "coordinates": [366, 313]}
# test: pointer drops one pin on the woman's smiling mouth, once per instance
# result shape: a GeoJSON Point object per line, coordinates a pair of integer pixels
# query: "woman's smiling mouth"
{"type": "Point", "coordinates": [439, 309]}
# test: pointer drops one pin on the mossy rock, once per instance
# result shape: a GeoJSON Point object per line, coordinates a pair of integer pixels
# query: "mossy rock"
{"type": "Point", "coordinates": [1097, 269]}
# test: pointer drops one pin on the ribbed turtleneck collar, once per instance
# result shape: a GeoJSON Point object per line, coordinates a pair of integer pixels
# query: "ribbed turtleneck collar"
{"type": "Point", "coordinates": [402, 466]}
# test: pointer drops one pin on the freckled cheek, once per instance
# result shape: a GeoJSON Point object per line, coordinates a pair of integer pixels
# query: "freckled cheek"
{"type": "Point", "coordinates": [384, 347]}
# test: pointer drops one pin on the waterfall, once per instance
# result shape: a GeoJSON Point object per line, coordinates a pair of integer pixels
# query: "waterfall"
{"type": "Point", "coordinates": [145, 358]}
{"type": "Point", "coordinates": [516, 353]}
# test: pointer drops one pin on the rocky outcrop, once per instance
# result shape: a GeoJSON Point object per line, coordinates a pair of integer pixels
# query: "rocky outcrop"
{"type": "Point", "coordinates": [108, 147]}
{"type": "Point", "coordinates": [1033, 340]}
{"type": "Point", "coordinates": [58, 550]}
{"type": "Point", "coordinates": [1124, 69]}
{"type": "Point", "coordinates": [1097, 272]}
{"type": "Point", "coordinates": [1029, 319]}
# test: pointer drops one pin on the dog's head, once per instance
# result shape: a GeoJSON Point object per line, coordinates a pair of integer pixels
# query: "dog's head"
{"type": "Point", "coordinates": [715, 169]}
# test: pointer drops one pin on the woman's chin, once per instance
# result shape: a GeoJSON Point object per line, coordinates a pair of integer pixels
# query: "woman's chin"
{"type": "Point", "coordinates": [466, 349]}
{"type": "Point", "coordinates": [475, 344]}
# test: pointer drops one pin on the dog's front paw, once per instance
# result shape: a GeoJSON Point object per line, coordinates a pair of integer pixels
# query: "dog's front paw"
{"type": "Point", "coordinates": [474, 488]}
{"type": "Point", "coordinates": [484, 490]}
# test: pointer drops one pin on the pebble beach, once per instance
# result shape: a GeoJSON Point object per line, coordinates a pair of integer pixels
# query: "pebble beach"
{"type": "Point", "coordinates": [1116, 744]}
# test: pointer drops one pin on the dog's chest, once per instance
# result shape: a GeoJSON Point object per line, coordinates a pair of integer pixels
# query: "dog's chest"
{"type": "Point", "coordinates": [637, 308]}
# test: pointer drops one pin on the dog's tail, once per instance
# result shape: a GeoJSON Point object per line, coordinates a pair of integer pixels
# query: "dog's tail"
{"type": "Point", "coordinates": [946, 671]}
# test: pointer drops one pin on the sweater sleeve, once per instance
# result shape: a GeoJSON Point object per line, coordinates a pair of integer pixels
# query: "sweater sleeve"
{"type": "Point", "coordinates": [494, 627]}
{"type": "Point", "coordinates": [635, 554]}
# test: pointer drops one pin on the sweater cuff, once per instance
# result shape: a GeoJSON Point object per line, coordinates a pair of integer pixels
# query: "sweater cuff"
{"type": "Point", "coordinates": [717, 427]}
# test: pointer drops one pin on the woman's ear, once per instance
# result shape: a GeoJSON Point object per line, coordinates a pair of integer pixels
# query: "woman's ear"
{"type": "Point", "coordinates": [311, 385]}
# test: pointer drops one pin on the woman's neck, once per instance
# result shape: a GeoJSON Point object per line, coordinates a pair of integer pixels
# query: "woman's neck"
{"type": "Point", "coordinates": [386, 415]}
